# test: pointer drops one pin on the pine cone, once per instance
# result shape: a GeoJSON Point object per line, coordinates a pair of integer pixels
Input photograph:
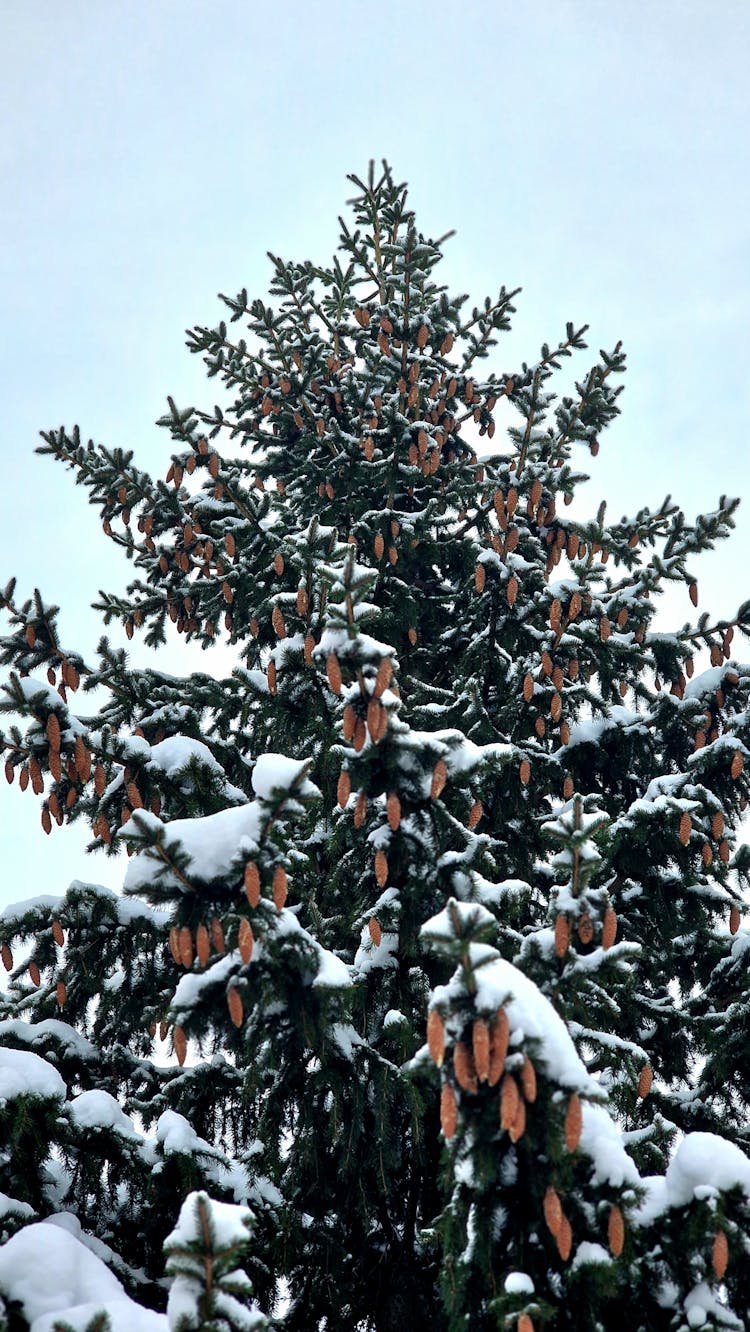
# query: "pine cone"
{"type": "Point", "coordinates": [573, 1122]}
{"type": "Point", "coordinates": [616, 1231]}
{"type": "Point", "coordinates": [435, 1034]}
{"type": "Point", "coordinates": [553, 1213]}
{"type": "Point", "coordinates": [499, 1040]}
{"type": "Point", "coordinates": [279, 887]}
{"type": "Point", "coordinates": [448, 1111]}
{"type": "Point", "coordinates": [252, 883]}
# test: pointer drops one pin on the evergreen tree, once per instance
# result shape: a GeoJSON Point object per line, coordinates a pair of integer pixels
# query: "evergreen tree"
{"type": "Point", "coordinates": [425, 1002]}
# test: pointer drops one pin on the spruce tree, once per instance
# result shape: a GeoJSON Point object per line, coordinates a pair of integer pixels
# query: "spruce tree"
{"type": "Point", "coordinates": [425, 1002]}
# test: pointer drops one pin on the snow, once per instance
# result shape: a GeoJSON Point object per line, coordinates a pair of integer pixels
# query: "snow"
{"type": "Point", "coordinates": [519, 1283]}
{"type": "Point", "coordinates": [177, 752]}
{"type": "Point", "coordinates": [176, 1135]}
{"type": "Point", "coordinates": [13, 1207]}
{"type": "Point", "coordinates": [99, 1110]}
{"type": "Point", "coordinates": [70, 1041]}
{"type": "Point", "coordinates": [212, 844]}
{"type": "Point", "coordinates": [274, 771]}
{"type": "Point", "coordinates": [25, 1074]}
{"type": "Point", "coordinates": [53, 1276]}
{"type": "Point", "coordinates": [590, 1253]}
{"type": "Point", "coordinates": [230, 1224]}
{"type": "Point", "coordinates": [332, 972]}
{"type": "Point", "coordinates": [601, 1140]}
{"type": "Point", "coordinates": [17, 910]}
{"type": "Point", "coordinates": [702, 1166]}
{"type": "Point", "coordinates": [532, 1017]}
{"type": "Point", "coordinates": [498, 983]}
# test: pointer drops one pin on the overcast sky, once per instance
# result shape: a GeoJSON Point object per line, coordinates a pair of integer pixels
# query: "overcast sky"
{"type": "Point", "coordinates": [151, 152]}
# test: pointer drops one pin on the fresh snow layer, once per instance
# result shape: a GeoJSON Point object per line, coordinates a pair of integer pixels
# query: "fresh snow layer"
{"type": "Point", "coordinates": [14, 1207]}
{"type": "Point", "coordinates": [500, 984]}
{"type": "Point", "coordinates": [229, 1224]}
{"type": "Point", "coordinates": [25, 1074]}
{"type": "Point", "coordinates": [212, 844]}
{"type": "Point", "coordinates": [703, 1165]}
{"type": "Point", "coordinates": [590, 1253]}
{"type": "Point", "coordinates": [54, 1277]}
{"type": "Point", "coordinates": [51, 1030]}
{"type": "Point", "coordinates": [99, 1110]}
{"type": "Point", "coordinates": [601, 1140]}
{"type": "Point", "coordinates": [519, 1283]}
{"type": "Point", "coordinates": [275, 771]}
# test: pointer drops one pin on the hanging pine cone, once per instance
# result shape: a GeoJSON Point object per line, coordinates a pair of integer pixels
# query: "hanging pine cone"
{"type": "Point", "coordinates": [7, 957]}
{"type": "Point", "coordinates": [524, 772]}
{"type": "Point", "coordinates": [509, 1100]}
{"type": "Point", "coordinates": [333, 672]}
{"type": "Point", "coordinates": [564, 1239]}
{"type": "Point", "coordinates": [553, 1213]}
{"type": "Point", "coordinates": [528, 1080]}
{"type": "Point", "coordinates": [279, 887]}
{"type": "Point", "coordinates": [53, 731]}
{"type": "Point", "coordinates": [383, 677]}
{"type": "Point", "coordinates": [616, 1231]}
{"type": "Point", "coordinates": [252, 883]}
{"type": "Point", "coordinates": [685, 828]}
{"type": "Point", "coordinates": [645, 1081]}
{"type": "Point", "coordinates": [475, 814]}
{"type": "Point", "coordinates": [573, 1122]}
{"type": "Point", "coordinates": [179, 1042]}
{"type": "Point", "coordinates": [381, 868]}
{"type": "Point", "coordinates": [393, 811]}
{"type": "Point", "coordinates": [217, 935]}
{"type": "Point", "coordinates": [585, 928]}
{"type": "Point", "coordinates": [480, 1045]}
{"type": "Point", "coordinates": [185, 945]}
{"type": "Point", "coordinates": [202, 945]}
{"type": "Point", "coordinates": [448, 1111]}
{"type": "Point", "coordinates": [734, 919]}
{"type": "Point", "coordinates": [234, 1004]}
{"type": "Point", "coordinates": [720, 1255]}
{"type": "Point", "coordinates": [57, 933]}
{"type": "Point", "coordinates": [562, 935]}
{"type": "Point", "coordinates": [499, 1041]}
{"type": "Point", "coordinates": [435, 1034]}
{"type": "Point", "coordinates": [245, 940]}
{"type": "Point", "coordinates": [517, 1129]}
{"type": "Point", "coordinates": [609, 928]}
{"type": "Point", "coordinates": [439, 779]}
{"type": "Point", "coordinates": [343, 788]}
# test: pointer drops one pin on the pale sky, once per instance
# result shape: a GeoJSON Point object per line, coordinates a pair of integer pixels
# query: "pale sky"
{"type": "Point", "coordinates": [151, 152]}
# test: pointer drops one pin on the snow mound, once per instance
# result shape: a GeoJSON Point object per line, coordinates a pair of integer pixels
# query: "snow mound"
{"type": "Point", "coordinates": [703, 1166]}
{"type": "Point", "coordinates": [53, 1276]}
{"type": "Point", "coordinates": [25, 1074]}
